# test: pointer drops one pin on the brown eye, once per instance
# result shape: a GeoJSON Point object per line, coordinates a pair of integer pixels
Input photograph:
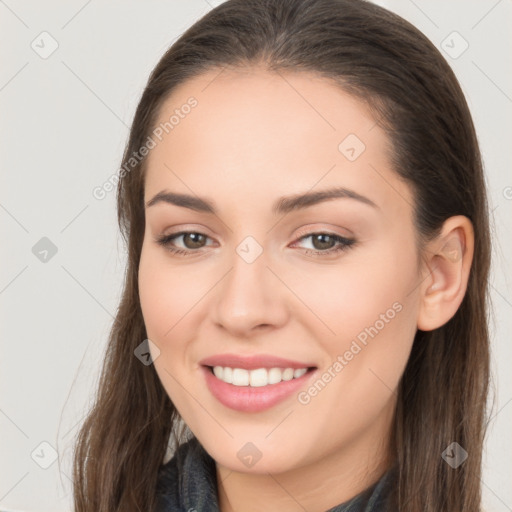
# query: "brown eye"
{"type": "Point", "coordinates": [321, 241]}
{"type": "Point", "coordinates": [193, 240]}
{"type": "Point", "coordinates": [190, 240]}
{"type": "Point", "coordinates": [327, 243]}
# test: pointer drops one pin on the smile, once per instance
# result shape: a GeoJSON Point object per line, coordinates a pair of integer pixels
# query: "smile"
{"type": "Point", "coordinates": [255, 389]}
{"type": "Point", "coordinates": [256, 378]}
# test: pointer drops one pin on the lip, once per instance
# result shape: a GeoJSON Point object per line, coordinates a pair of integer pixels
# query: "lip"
{"type": "Point", "coordinates": [253, 362]}
{"type": "Point", "coordinates": [247, 398]}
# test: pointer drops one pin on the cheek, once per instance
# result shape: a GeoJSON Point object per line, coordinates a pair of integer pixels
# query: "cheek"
{"type": "Point", "coordinates": [166, 298]}
{"type": "Point", "coordinates": [361, 290]}
{"type": "Point", "coordinates": [375, 320]}
{"type": "Point", "coordinates": [369, 309]}
{"type": "Point", "coordinates": [166, 295]}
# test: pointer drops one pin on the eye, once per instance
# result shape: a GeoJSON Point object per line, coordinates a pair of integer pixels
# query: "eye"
{"type": "Point", "coordinates": [191, 238]}
{"type": "Point", "coordinates": [322, 243]}
{"type": "Point", "coordinates": [325, 241]}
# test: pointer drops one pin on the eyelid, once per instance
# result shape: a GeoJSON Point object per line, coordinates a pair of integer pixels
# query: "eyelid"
{"type": "Point", "coordinates": [308, 230]}
{"type": "Point", "coordinates": [183, 229]}
{"type": "Point", "coordinates": [311, 229]}
{"type": "Point", "coordinates": [343, 243]}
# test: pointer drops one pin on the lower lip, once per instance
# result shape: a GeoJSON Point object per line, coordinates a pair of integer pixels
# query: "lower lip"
{"type": "Point", "coordinates": [249, 399]}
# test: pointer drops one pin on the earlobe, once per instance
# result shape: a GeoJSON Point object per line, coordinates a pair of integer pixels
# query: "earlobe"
{"type": "Point", "coordinates": [448, 261]}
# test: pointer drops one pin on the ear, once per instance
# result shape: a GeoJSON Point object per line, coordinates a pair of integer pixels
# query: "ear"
{"type": "Point", "coordinates": [447, 262]}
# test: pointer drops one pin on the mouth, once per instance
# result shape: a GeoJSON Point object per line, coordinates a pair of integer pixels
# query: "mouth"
{"type": "Point", "coordinates": [257, 389]}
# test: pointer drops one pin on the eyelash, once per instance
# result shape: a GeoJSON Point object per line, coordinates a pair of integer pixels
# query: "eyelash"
{"type": "Point", "coordinates": [345, 243]}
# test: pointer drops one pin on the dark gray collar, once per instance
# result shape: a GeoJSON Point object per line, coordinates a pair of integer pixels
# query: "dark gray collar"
{"type": "Point", "coordinates": [194, 489]}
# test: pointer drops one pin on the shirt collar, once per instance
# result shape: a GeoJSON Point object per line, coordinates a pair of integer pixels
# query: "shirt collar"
{"type": "Point", "coordinates": [195, 487]}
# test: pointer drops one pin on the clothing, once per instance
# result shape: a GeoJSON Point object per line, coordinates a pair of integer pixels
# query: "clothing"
{"type": "Point", "coordinates": [195, 489]}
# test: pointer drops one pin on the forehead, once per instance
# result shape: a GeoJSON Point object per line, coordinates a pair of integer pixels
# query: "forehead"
{"type": "Point", "coordinates": [270, 132]}
{"type": "Point", "coordinates": [245, 107]}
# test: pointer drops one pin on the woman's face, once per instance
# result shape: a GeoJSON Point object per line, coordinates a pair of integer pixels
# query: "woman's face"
{"type": "Point", "coordinates": [330, 286]}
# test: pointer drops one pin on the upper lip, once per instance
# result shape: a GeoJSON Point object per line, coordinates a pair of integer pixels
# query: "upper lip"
{"type": "Point", "coordinates": [252, 362]}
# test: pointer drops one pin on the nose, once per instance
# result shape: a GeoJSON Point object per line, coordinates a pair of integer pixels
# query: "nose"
{"type": "Point", "coordinates": [250, 297]}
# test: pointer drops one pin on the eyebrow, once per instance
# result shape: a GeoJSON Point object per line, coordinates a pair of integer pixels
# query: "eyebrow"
{"type": "Point", "coordinates": [282, 206]}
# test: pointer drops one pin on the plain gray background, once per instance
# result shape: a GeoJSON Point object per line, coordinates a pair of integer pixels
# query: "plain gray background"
{"type": "Point", "coordinates": [64, 122]}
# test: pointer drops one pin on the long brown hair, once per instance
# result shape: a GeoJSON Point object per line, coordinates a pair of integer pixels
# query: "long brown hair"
{"type": "Point", "coordinates": [383, 60]}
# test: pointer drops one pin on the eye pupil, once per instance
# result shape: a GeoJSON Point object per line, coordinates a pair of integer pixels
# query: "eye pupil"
{"type": "Point", "coordinates": [193, 236]}
{"type": "Point", "coordinates": [320, 237]}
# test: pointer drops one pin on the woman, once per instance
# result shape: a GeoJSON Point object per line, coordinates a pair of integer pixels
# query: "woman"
{"type": "Point", "coordinates": [290, 374]}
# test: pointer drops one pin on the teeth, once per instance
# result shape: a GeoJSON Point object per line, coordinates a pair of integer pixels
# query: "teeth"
{"type": "Point", "coordinates": [274, 375]}
{"type": "Point", "coordinates": [256, 378]}
{"type": "Point", "coordinates": [288, 374]}
{"type": "Point", "coordinates": [240, 377]}
{"type": "Point", "coordinates": [228, 375]}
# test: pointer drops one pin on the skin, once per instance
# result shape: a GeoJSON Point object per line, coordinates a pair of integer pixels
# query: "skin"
{"type": "Point", "coordinates": [254, 137]}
